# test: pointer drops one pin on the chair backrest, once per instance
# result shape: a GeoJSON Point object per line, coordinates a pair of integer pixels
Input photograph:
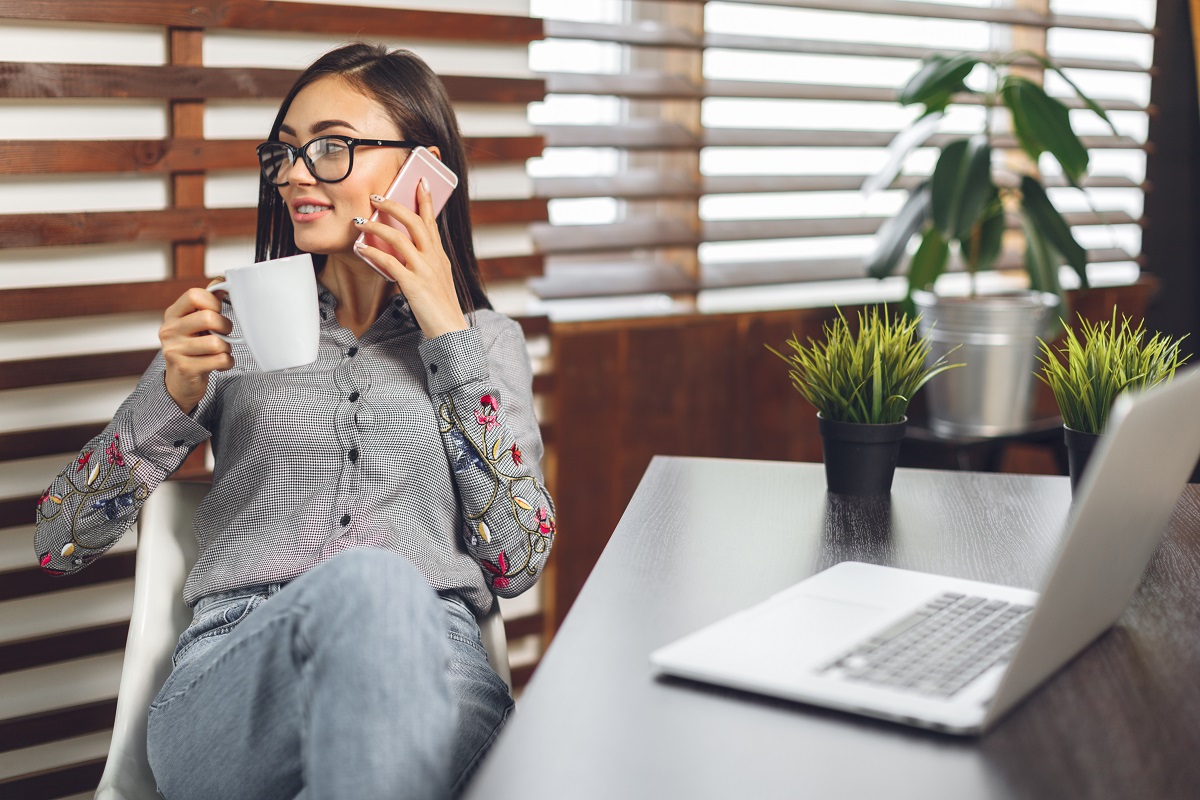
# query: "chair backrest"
{"type": "Point", "coordinates": [165, 555]}
{"type": "Point", "coordinates": [166, 552]}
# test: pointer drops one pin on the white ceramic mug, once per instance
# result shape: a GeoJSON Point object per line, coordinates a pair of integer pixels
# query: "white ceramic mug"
{"type": "Point", "coordinates": [276, 304]}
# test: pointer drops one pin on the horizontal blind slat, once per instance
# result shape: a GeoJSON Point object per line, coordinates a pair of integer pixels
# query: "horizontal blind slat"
{"type": "Point", "coordinates": [668, 136]}
{"type": "Point", "coordinates": [1003, 16]}
{"type": "Point", "coordinates": [607, 278]}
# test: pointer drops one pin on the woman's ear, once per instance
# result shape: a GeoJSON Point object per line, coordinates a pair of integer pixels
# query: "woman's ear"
{"type": "Point", "coordinates": [436, 153]}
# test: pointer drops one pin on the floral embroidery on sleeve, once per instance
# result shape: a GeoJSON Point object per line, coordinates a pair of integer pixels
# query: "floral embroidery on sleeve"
{"type": "Point", "coordinates": [107, 488]}
{"type": "Point", "coordinates": [513, 498]}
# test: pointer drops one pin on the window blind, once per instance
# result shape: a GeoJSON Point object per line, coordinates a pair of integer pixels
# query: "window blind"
{"type": "Point", "coordinates": [706, 153]}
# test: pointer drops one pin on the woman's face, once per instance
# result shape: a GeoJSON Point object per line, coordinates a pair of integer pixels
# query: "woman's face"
{"type": "Point", "coordinates": [323, 213]}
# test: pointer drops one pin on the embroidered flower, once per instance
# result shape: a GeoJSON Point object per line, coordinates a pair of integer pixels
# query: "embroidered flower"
{"type": "Point", "coordinates": [490, 402]}
{"type": "Point", "coordinates": [488, 420]}
{"type": "Point", "coordinates": [113, 451]}
{"type": "Point", "coordinates": [498, 569]}
{"type": "Point", "coordinates": [545, 521]}
{"type": "Point", "coordinates": [83, 460]}
{"type": "Point", "coordinates": [45, 496]}
{"type": "Point", "coordinates": [113, 506]}
{"type": "Point", "coordinates": [516, 454]}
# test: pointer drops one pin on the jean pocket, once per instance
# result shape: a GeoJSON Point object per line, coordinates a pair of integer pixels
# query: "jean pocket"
{"type": "Point", "coordinates": [216, 621]}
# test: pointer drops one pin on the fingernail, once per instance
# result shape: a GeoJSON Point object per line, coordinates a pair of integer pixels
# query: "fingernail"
{"type": "Point", "coordinates": [425, 184]}
{"type": "Point", "coordinates": [376, 198]}
{"type": "Point", "coordinates": [359, 220]}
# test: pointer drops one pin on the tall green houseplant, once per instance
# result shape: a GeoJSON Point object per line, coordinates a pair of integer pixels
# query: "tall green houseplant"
{"type": "Point", "coordinates": [963, 205]}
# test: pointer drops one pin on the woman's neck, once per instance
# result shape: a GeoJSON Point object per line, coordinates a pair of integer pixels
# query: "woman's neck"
{"type": "Point", "coordinates": [361, 293]}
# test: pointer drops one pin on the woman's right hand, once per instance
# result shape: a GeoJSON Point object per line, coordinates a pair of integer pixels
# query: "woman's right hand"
{"type": "Point", "coordinates": [190, 351]}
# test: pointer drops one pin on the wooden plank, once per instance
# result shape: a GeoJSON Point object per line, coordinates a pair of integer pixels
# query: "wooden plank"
{"type": "Point", "coordinates": [511, 267]}
{"type": "Point", "coordinates": [47, 441]}
{"type": "Point", "coordinates": [617, 236]}
{"type": "Point", "coordinates": [262, 15]}
{"type": "Point", "coordinates": [156, 156]}
{"type": "Point", "coordinates": [108, 227]}
{"type": "Point", "coordinates": [71, 369]}
{"type": "Point", "coordinates": [534, 325]}
{"type": "Point", "coordinates": [49, 726]}
{"type": "Point", "coordinates": [54, 783]}
{"type": "Point", "coordinates": [38, 651]}
{"type": "Point", "coordinates": [522, 674]}
{"type": "Point", "coordinates": [509, 212]}
{"type": "Point", "coordinates": [195, 224]}
{"type": "Point", "coordinates": [524, 625]}
{"type": "Point", "coordinates": [56, 302]}
{"type": "Point", "coordinates": [177, 82]}
{"type": "Point", "coordinates": [32, 581]}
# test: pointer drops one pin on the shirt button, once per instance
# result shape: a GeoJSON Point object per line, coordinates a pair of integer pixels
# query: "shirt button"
{"type": "Point", "coordinates": [353, 455]}
{"type": "Point", "coordinates": [179, 442]}
{"type": "Point", "coordinates": [352, 352]}
{"type": "Point", "coordinates": [354, 397]}
{"type": "Point", "coordinates": [346, 520]}
{"type": "Point", "coordinates": [433, 368]}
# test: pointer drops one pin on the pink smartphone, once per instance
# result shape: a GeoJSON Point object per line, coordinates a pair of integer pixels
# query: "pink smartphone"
{"type": "Point", "coordinates": [420, 164]}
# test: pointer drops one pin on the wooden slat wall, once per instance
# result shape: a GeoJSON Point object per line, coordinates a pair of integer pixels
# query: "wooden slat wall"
{"type": "Point", "coordinates": [73, 343]}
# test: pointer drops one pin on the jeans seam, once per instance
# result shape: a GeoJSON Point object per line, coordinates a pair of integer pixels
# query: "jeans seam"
{"type": "Point", "coordinates": [473, 764]}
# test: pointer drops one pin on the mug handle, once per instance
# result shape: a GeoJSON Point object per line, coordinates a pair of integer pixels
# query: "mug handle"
{"type": "Point", "coordinates": [214, 288]}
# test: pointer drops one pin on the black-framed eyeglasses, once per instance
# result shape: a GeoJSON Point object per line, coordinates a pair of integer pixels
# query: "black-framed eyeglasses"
{"type": "Point", "coordinates": [329, 158]}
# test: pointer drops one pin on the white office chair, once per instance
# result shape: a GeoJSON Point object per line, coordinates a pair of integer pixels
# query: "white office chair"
{"type": "Point", "coordinates": [166, 550]}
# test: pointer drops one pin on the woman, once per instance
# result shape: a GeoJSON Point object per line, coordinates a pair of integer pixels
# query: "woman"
{"type": "Point", "coordinates": [365, 508]}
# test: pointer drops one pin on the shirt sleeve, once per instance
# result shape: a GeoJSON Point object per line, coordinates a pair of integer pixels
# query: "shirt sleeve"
{"type": "Point", "coordinates": [97, 496]}
{"type": "Point", "coordinates": [484, 398]}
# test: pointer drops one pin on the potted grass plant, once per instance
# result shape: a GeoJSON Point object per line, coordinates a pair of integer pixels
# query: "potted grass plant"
{"type": "Point", "coordinates": [1092, 367]}
{"type": "Point", "coordinates": [861, 382]}
{"type": "Point", "coordinates": [963, 210]}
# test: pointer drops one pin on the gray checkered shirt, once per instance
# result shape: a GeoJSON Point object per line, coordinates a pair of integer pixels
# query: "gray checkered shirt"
{"type": "Point", "coordinates": [426, 448]}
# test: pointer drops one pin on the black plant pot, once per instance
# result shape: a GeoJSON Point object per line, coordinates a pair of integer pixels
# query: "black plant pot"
{"type": "Point", "coordinates": [860, 459]}
{"type": "Point", "coordinates": [1079, 449]}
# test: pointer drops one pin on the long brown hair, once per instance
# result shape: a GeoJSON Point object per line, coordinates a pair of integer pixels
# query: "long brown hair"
{"type": "Point", "coordinates": [417, 103]}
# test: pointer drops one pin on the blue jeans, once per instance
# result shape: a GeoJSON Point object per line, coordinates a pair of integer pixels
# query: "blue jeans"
{"type": "Point", "coordinates": [355, 680]}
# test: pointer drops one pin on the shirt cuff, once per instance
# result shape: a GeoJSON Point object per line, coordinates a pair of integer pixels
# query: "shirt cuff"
{"type": "Point", "coordinates": [454, 359]}
{"type": "Point", "coordinates": [162, 432]}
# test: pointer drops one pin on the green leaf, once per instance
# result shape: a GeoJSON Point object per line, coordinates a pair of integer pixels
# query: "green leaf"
{"type": "Point", "coordinates": [1043, 123]}
{"type": "Point", "coordinates": [962, 185]}
{"type": "Point", "coordinates": [936, 81]}
{"type": "Point", "coordinates": [1050, 224]}
{"type": "Point", "coordinates": [894, 235]}
{"type": "Point", "coordinates": [1087, 101]}
{"type": "Point", "coordinates": [1041, 261]}
{"type": "Point", "coordinates": [983, 243]}
{"type": "Point", "coordinates": [929, 261]}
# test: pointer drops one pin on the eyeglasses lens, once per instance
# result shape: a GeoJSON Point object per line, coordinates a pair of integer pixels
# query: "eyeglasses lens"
{"type": "Point", "coordinates": [329, 160]}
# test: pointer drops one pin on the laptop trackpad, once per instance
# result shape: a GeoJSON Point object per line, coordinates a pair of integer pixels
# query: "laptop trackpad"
{"type": "Point", "coordinates": [794, 632]}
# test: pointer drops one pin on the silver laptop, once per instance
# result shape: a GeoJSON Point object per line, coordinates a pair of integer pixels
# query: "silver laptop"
{"type": "Point", "coordinates": [955, 655]}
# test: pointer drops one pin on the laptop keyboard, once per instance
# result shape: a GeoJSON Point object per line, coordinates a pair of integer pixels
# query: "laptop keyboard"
{"type": "Point", "coordinates": [938, 649]}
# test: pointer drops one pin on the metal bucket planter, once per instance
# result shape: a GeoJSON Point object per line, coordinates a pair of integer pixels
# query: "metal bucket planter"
{"type": "Point", "coordinates": [991, 395]}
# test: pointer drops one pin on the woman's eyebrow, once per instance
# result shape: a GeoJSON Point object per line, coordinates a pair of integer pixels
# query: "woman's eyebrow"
{"type": "Point", "coordinates": [323, 125]}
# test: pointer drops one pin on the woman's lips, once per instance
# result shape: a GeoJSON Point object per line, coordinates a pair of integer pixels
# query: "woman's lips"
{"type": "Point", "coordinates": [308, 211]}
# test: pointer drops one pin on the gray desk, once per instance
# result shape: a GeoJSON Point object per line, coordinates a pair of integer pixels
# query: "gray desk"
{"type": "Point", "coordinates": [705, 537]}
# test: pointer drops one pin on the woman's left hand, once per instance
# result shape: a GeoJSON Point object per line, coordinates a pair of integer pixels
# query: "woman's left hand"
{"type": "Point", "coordinates": [425, 275]}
